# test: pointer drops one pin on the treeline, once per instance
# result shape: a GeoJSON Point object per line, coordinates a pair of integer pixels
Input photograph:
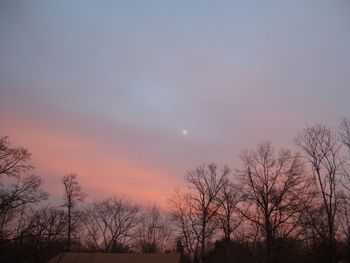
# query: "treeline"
{"type": "Point", "coordinates": [276, 206]}
{"type": "Point", "coordinates": [33, 231]}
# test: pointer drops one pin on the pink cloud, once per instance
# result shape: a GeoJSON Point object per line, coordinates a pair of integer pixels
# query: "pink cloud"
{"type": "Point", "coordinates": [102, 170]}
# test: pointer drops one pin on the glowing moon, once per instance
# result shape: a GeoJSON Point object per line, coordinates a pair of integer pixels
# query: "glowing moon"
{"type": "Point", "coordinates": [184, 132]}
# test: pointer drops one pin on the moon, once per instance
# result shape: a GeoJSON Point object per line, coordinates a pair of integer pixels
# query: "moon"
{"type": "Point", "coordinates": [184, 132]}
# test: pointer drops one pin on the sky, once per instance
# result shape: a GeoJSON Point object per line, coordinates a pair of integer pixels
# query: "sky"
{"type": "Point", "coordinates": [106, 89]}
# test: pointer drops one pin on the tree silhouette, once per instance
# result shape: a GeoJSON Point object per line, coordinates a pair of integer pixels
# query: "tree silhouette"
{"type": "Point", "coordinates": [274, 190]}
{"type": "Point", "coordinates": [111, 224]}
{"type": "Point", "coordinates": [228, 214]}
{"type": "Point", "coordinates": [73, 194]}
{"type": "Point", "coordinates": [321, 148]}
{"type": "Point", "coordinates": [153, 232]}
{"type": "Point", "coordinates": [14, 161]}
{"type": "Point", "coordinates": [194, 212]}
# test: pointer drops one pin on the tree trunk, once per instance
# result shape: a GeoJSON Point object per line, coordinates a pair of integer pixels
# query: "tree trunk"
{"type": "Point", "coordinates": [203, 242]}
{"type": "Point", "coordinates": [268, 243]}
{"type": "Point", "coordinates": [69, 227]}
{"type": "Point", "coordinates": [348, 249]}
{"type": "Point", "coordinates": [331, 248]}
{"type": "Point", "coordinates": [228, 249]}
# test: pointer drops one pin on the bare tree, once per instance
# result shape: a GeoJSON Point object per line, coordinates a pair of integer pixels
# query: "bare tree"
{"type": "Point", "coordinates": [198, 207]}
{"type": "Point", "coordinates": [14, 161]}
{"type": "Point", "coordinates": [275, 190]}
{"type": "Point", "coordinates": [14, 198]}
{"type": "Point", "coordinates": [46, 229]}
{"type": "Point", "coordinates": [21, 189]}
{"type": "Point", "coordinates": [111, 223]}
{"type": "Point", "coordinates": [344, 132]}
{"type": "Point", "coordinates": [185, 219]}
{"type": "Point", "coordinates": [344, 220]}
{"type": "Point", "coordinates": [154, 232]}
{"type": "Point", "coordinates": [228, 215]}
{"type": "Point", "coordinates": [321, 148]}
{"type": "Point", "coordinates": [343, 217]}
{"type": "Point", "coordinates": [73, 194]}
{"type": "Point", "coordinates": [50, 224]}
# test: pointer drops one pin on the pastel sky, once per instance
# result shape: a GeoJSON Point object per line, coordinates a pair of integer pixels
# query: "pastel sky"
{"type": "Point", "coordinates": [104, 89]}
